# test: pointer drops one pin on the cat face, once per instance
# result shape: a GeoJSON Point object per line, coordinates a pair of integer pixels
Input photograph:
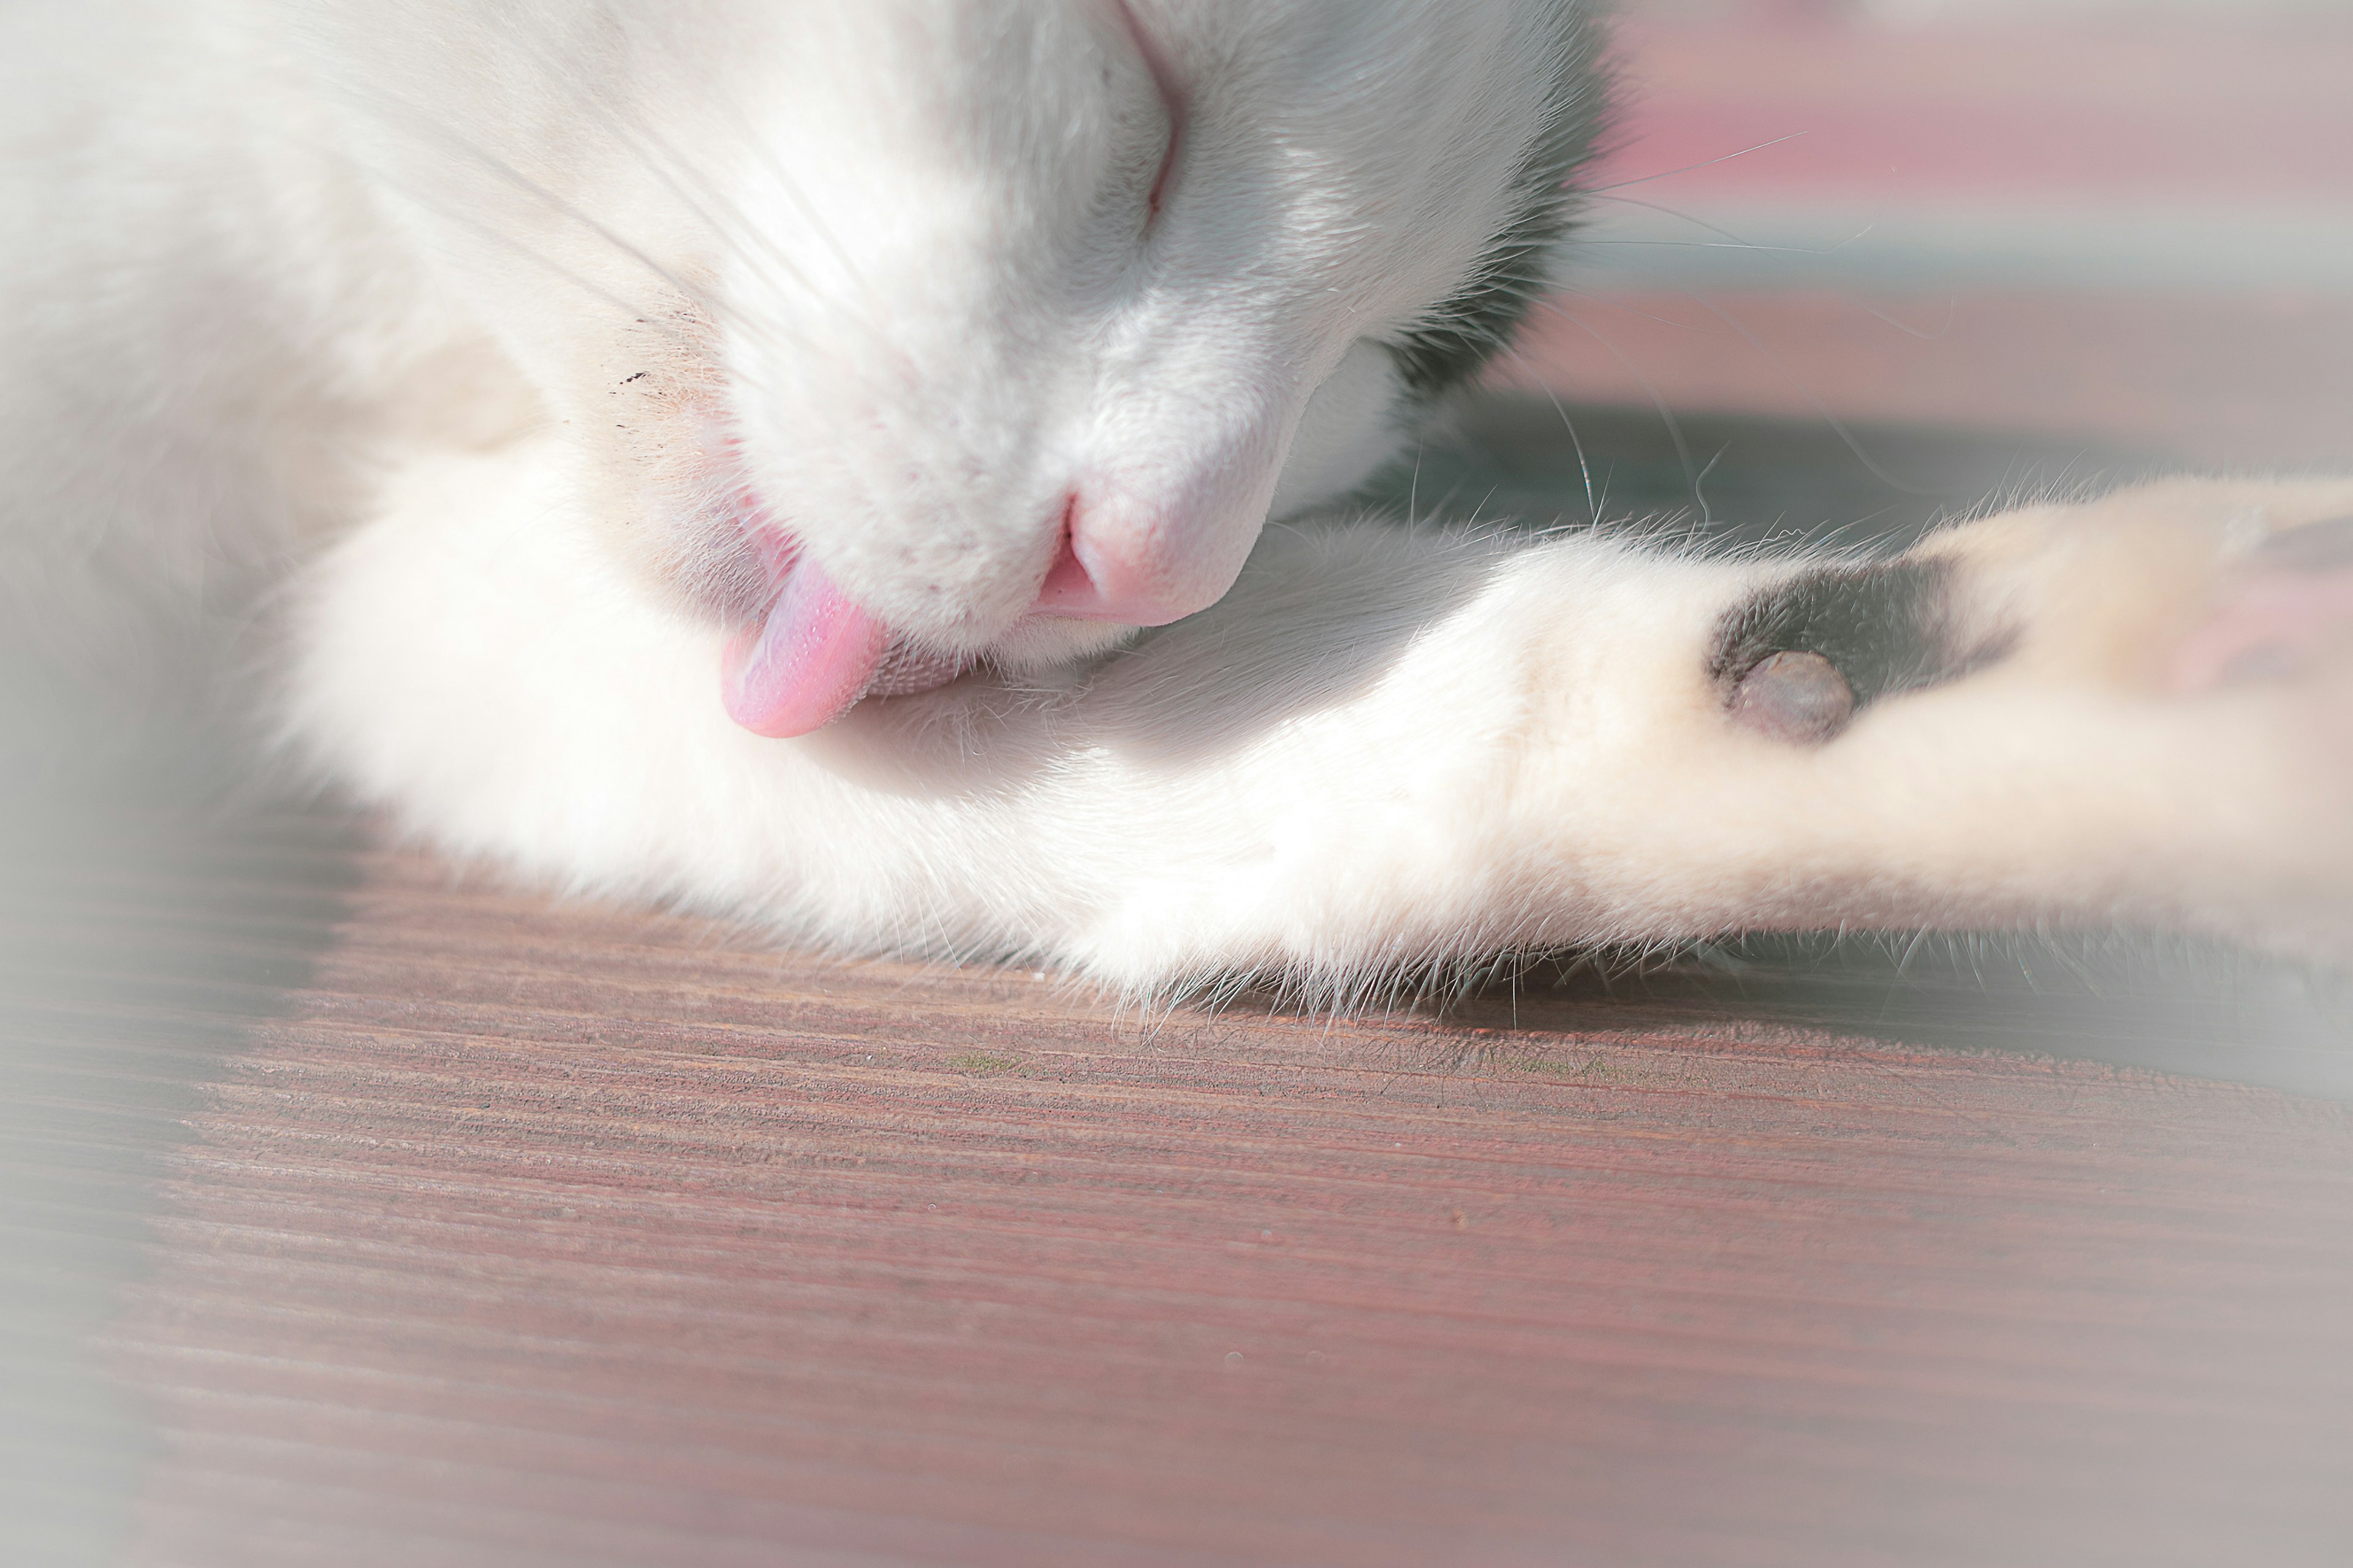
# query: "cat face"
{"type": "Point", "coordinates": [904, 333]}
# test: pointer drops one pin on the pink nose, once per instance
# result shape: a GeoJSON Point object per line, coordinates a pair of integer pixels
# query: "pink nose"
{"type": "Point", "coordinates": [1103, 576]}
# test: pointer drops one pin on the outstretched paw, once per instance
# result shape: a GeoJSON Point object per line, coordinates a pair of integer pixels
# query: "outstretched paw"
{"type": "Point", "coordinates": [2139, 707]}
{"type": "Point", "coordinates": [2179, 589]}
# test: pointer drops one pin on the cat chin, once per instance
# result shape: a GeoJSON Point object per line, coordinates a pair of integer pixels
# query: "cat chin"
{"type": "Point", "coordinates": [1037, 644]}
{"type": "Point", "coordinates": [738, 568]}
{"type": "Point", "coordinates": [742, 551]}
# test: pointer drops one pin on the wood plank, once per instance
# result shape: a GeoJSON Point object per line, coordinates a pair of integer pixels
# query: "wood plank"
{"type": "Point", "coordinates": [517, 1232]}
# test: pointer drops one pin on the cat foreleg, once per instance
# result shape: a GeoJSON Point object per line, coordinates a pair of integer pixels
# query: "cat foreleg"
{"type": "Point", "coordinates": [2025, 721]}
{"type": "Point", "coordinates": [1388, 749]}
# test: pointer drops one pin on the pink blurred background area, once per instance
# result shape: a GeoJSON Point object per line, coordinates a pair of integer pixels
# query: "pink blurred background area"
{"type": "Point", "coordinates": [2122, 220]}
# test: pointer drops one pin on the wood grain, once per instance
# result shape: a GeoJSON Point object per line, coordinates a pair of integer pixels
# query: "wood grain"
{"type": "Point", "coordinates": [507, 1232]}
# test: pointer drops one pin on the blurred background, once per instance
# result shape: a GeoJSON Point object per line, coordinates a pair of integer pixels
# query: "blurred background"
{"type": "Point", "coordinates": [2122, 220]}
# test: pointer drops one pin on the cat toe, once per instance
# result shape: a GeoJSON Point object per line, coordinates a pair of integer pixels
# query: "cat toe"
{"type": "Point", "coordinates": [2311, 547]}
{"type": "Point", "coordinates": [2284, 609]}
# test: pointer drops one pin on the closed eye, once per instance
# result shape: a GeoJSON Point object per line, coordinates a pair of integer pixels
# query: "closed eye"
{"type": "Point", "coordinates": [1172, 100]}
{"type": "Point", "coordinates": [1160, 180]}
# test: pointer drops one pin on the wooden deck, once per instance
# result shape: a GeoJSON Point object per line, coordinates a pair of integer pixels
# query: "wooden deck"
{"type": "Point", "coordinates": [364, 1216]}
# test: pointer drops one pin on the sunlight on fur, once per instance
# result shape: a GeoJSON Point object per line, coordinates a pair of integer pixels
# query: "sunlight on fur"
{"type": "Point", "coordinates": [814, 464]}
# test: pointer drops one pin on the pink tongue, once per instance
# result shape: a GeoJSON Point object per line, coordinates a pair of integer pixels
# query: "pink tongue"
{"type": "Point", "coordinates": [814, 656]}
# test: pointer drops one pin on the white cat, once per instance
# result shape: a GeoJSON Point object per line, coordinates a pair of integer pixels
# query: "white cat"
{"type": "Point", "coordinates": [724, 451]}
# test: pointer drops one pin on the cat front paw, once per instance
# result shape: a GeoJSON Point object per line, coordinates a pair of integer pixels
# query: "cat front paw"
{"type": "Point", "coordinates": [2214, 621]}
{"type": "Point", "coordinates": [2137, 710]}
{"type": "Point", "coordinates": [2179, 588]}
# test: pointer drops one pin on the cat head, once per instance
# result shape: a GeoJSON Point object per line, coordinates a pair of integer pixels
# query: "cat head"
{"type": "Point", "coordinates": [904, 333]}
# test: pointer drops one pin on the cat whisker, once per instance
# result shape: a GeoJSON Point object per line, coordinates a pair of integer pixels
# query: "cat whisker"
{"type": "Point", "coordinates": [1584, 468]}
{"type": "Point", "coordinates": [1737, 241]}
{"type": "Point", "coordinates": [1598, 190]}
{"type": "Point", "coordinates": [1821, 408]}
{"type": "Point", "coordinates": [1666, 415]}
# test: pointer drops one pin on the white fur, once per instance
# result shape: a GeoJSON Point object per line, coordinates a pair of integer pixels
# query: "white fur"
{"type": "Point", "coordinates": [885, 264]}
{"type": "Point", "coordinates": [491, 313]}
{"type": "Point", "coordinates": [1383, 750]}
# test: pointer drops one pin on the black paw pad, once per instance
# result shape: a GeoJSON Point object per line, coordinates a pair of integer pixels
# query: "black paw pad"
{"type": "Point", "coordinates": [1795, 697]}
{"type": "Point", "coordinates": [1801, 658]}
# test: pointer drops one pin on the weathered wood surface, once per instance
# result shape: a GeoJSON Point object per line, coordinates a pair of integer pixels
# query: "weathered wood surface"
{"type": "Point", "coordinates": [441, 1224]}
